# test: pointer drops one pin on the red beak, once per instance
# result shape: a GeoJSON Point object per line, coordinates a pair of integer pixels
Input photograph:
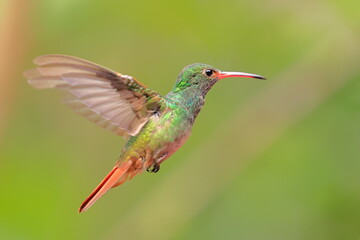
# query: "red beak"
{"type": "Point", "coordinates": [222, 75]}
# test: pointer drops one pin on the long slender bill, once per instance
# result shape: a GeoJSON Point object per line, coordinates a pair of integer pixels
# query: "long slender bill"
{"type": "Point", "coordinates": [239, 74]}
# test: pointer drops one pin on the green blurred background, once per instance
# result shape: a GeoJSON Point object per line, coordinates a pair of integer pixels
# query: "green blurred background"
{"type": "Point", "coordinates": [276, 159]}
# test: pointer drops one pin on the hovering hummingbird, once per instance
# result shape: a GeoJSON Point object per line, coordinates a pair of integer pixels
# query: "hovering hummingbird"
{"type": "Point", "coordinates": [156, 126]}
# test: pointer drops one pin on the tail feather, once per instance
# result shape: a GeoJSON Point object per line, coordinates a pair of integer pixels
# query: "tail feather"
{"type": "Point", "coordinates": [121, 180]}
{"type": "Point", "coordinates": [109, 181]}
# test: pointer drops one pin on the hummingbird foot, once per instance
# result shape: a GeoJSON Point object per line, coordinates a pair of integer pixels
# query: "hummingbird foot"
{"type": "Point", "coordinates": [154, 168]}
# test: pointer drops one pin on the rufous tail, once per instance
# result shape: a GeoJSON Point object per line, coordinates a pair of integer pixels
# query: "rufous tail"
{"type": "Point", "coordinates": [113, 178]}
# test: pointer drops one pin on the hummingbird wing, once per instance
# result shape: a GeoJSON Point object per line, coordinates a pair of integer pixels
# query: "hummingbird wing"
{"type": "Point", "coordinates": [112, 100]}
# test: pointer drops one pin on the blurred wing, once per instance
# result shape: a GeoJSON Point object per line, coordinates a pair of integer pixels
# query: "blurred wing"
{"type": "Point", "coordinates": [113, 101]}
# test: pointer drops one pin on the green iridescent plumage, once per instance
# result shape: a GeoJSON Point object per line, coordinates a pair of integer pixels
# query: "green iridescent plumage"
{"type": "Point", "coordinates": [156, 126]}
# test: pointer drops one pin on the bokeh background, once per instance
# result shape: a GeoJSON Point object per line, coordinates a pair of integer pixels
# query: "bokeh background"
{"type": "Point", "coordinates": [276, 159]}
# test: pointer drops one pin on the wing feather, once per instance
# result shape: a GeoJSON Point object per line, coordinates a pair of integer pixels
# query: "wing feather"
{"type": "Point", "coordinates": [113, 101]}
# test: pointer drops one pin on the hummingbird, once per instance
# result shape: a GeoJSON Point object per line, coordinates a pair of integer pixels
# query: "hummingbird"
{"type": "Point", "coordinates": [155, 126]}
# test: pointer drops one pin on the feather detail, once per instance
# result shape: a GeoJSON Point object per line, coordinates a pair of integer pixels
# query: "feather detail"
{"type": "Point", "coordinates": [111, 100]}
{"type": "Point", "coordinates": [108, 182]}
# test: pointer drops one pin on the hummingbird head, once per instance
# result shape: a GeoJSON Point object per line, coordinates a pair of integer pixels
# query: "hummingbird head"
{"type": "Point", "coordinates": [200, 76]}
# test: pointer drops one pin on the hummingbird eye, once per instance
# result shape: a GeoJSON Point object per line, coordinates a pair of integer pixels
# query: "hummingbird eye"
{"type": "Point", "coordinates": [209, 72]}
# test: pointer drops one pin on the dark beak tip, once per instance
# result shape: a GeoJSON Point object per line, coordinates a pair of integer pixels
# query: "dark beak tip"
{"type": "Point", "coordinates": [259, 77]}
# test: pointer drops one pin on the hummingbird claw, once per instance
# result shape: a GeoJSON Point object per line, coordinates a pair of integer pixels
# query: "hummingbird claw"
{"type": "Point", "coordinates": [154, 168]}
